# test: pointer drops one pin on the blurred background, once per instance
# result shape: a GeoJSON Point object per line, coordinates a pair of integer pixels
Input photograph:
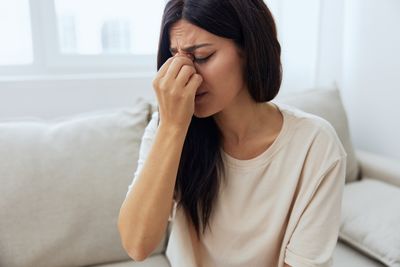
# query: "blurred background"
{"type": "Point", "coordinates": [63, 57]}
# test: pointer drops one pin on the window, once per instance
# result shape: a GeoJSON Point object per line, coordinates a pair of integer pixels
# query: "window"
{"type": "Point", "coordinates": [94, 27]}
{"type": "Point", "coordinates": [15, 33]}
{"type": "Point", "coordinates": [73, 36]}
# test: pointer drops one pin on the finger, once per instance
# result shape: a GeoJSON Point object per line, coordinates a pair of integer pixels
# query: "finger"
{"type": "Point", "coordinates": [177, 64]}
{"type": "Point", "coordinates": [194, 83]}
{"type": "Point", "coordinates": [184, 75]}
{"type": "Point", "coordinates": [163, 70]}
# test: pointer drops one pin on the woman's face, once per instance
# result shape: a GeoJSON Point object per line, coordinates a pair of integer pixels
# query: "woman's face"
{"type": "Point", "coordinates": [217, 60]}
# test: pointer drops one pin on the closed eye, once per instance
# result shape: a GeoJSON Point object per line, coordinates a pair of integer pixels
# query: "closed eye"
{"type": "Point", "coordinates": [202, 60]}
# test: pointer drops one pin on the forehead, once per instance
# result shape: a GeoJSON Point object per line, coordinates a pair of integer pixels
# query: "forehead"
{"type": "Point", "coordinates": [183, 34]}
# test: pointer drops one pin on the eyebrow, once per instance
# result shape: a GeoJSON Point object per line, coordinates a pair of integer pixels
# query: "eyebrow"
{"type": "Point", "coordinates": [189, 49]}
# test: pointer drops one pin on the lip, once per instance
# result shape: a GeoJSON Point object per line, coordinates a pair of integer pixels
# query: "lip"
{"type": "Point", "coordinates": [200, 97]}
{"type": "Point", "coordinates": [201, 93]}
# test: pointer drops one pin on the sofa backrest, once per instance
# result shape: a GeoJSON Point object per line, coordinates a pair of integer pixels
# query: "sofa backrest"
{"type": "Point", "coordinates": [62, 183]}
{"type": "Point", "coordinates": [327, 103]}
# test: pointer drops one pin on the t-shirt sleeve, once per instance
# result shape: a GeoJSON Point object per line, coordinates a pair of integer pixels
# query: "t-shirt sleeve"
{"type": "Point", "coordinates": [145, 146]}
{"type": "Point", "coordinates": [315, 236]}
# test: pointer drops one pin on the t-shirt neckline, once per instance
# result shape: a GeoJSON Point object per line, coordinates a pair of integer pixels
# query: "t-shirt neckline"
{"type": "Point", "coordinates": [265, 156]}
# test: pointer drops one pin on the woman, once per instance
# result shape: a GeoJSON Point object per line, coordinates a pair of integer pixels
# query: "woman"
{"type": "Point", "coordinates": [245, 181]}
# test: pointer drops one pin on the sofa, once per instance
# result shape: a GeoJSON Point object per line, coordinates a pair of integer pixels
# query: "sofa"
{"type": "Point", "coordinates": [63, 180]}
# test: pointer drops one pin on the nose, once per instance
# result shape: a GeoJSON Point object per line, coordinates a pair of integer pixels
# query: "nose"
{"type": "Point", "coordinates": [188, 55]}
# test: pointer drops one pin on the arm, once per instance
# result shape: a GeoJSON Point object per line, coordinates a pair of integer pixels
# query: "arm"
{"type": "Point", "coordinates": [314, 238]}
{"type": "Point", "coordinates": [286, 265]}
{"type": "Point", "coordinates": [144, 214]}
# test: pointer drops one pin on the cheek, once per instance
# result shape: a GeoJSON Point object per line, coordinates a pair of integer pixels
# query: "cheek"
{"type": "Point", "coordinates": [222, 72]}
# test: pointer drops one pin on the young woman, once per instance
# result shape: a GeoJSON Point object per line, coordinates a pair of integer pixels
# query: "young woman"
{"type": "Point", "coordinates": [245, 181]}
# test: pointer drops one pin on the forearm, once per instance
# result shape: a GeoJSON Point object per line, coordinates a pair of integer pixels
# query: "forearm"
{"type": "Point", "coordinates": [144, 214]}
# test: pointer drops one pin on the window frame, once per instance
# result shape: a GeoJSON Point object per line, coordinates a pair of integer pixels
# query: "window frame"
{"type": "Point", "coordinates": [48, 59]}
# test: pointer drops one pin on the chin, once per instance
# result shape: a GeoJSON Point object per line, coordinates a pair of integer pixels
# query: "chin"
{"type": "Point", "coordinates": [202, 113]}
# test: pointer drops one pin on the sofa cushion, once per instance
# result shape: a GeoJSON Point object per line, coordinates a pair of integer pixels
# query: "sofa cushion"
{"type": "Point", "coordinates": [154, 261]}
{"type": "Point", "coordinates": [327, 104]}
{"type": "Point", "coordinates": [346, 256]}
{"type": "Point", "coordinates": [62, 184]}
{"type": "Point", "coordinates": [371, 219]}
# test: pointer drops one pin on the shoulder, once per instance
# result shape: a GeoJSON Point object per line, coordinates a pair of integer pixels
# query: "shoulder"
{"type": "Point", "coordinates": [303, 118]}
{"type": "Point", "coordinates": [314, 132]}
{"type": "Point", "coordinates": [314, 145]}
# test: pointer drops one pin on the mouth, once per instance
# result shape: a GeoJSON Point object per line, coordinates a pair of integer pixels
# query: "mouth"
{"type": "Point", "coordinates": [200, 93]}
{"type": "Point", "coordinates": [200, 97]}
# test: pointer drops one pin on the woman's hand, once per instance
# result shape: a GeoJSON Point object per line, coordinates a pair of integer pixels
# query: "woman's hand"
{"type": "Point", "coordinates": [175, 85]}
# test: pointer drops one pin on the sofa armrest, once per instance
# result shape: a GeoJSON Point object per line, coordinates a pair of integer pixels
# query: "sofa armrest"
{"type": "Point", "coordinates": [379, 167]}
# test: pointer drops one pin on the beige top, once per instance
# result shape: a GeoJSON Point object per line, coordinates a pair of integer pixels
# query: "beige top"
{"type": "Point", "coordinates": [283, 205]}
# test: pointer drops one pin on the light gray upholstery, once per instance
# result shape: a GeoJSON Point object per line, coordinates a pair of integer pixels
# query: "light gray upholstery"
{"type": "Point", "coordinates": [346, 256]}
{"type": "Point", "coordinates": [154, 261]}
{"type": "Point", "coordinates": [370, 219]}
{"type": "Point", "coordinates": [62, 183]}
{"type": "Point", "coordinates": [379, 167]}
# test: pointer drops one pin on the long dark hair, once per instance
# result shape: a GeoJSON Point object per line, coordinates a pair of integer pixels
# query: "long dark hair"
{"type": "Point", "coordinates": [251, 26]}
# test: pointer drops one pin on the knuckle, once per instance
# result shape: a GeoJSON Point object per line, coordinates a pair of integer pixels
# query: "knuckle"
{"type": "Point", "coordinates": [175, 94]}
{"type": "Point", "coordinates": [163, 85]}
{"type": "Point", "coordinates": [197, 78]}
{"type": "Point", "coordinates": [155, 82]}
{"type": "Point", "coordinates": [168, 61]}
{"type": "Point", "coordinates": [188, 69]}
{"type": "Point", "coordinates": [182, 96]}
{"type": "Point", "coordinates": [178, 60]}
{"type": "Point", "coordinates": [182, 60]}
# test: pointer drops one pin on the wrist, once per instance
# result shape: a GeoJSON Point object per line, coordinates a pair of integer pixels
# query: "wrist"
{"type": "Point", "coordinates": [173, 130]}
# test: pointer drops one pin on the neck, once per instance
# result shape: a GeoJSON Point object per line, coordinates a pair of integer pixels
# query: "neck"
{"type": "Point", "coordinates": [243, 120]}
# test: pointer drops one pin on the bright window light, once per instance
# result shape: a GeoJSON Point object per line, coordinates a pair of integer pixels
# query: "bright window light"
{"type": "Point", "coordinates": [15, 33]}
{"type": "Point", "coordinates": [94, 27]}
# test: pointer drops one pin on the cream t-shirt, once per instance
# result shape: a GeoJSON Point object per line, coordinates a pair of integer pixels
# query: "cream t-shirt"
{"type": "Point", "coordinates": [283, 206]}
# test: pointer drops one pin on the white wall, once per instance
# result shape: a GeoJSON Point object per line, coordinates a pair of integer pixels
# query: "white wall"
{"type": "Point", "coordinates": [298, 35]}
{"type": "Point", "coordinates": [311, 36]}
{"type": "Point", "coordinates": [371, 71]}
{"type": "Point", "coordinates": [62, 96]}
